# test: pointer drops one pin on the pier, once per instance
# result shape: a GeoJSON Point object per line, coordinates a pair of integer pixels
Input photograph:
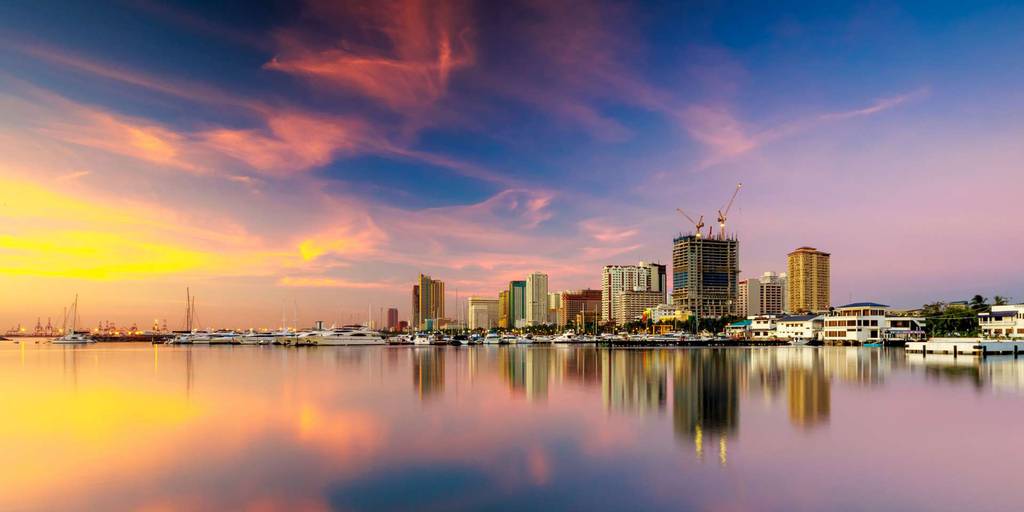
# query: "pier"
{"type": "Point", "coordinates": [974, 347]}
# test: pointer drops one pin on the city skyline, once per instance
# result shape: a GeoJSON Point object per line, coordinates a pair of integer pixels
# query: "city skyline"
{"type": "Point", "coordinates": [267, 158]}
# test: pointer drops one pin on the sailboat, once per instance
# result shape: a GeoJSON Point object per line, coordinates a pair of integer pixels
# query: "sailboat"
{"type": "Point", "coordinates": [70, 336]}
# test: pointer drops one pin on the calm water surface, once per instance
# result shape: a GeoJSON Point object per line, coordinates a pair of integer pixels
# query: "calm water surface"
{"type": "Point", "coordinates": [119, 426]}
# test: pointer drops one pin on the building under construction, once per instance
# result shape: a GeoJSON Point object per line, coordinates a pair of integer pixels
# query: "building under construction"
{"type": "Point", "coordinates": [704, 274]}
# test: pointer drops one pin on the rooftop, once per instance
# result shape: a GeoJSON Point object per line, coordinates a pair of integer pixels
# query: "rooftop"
{"type": "Point", "coordinates": [863, 305]}
{"type": "Point", "coordinates": [798, 318]}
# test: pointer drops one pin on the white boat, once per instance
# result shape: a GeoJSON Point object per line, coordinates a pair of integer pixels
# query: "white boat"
{"type": "Point", "coordinates": [565, 337]}
{"type": "Point", "coordinates": [71, 337]}
{"type": "Point", "coordinates": [343, 336]}
{"type": "Point", "coordinates": [799, 341]}
{"type": "Point", "coordinates": [492, 338]}
{"type": "Point", "coordinates": [422, 339]}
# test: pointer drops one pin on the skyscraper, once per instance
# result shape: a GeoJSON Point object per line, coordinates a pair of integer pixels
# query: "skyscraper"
{"type": "Point", "coordinates": [427, 301]}
{"type": "Point", "coordinates": [482, 312]}
{"type": "Point", "coordinates": [616, 279]}
{"type": "Point", "coordinates": [503, 309]}
{"type": "Point", "coordinates": [765, 295]}
{"type": "Point", "coordinates": [392, 319]}
{"type": "Point", "coordinates": [809, 286]}
{"type": "Point", "coordinates": [517, 304]}
{"type": "Point", "coordinates": [577, 305]}
{"type": "Point", "coordinates": [704, 275]}
{"type": "Point", "coordinates": [536, 299]}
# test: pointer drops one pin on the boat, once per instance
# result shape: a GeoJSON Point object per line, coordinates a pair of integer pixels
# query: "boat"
{"type": "Point", "coordinates": [508, 339]}
{"type": "Point", "coordinates": [492, 338]}
{"type": "Point", "coordinates": [71, 337]}
{"type": "Point", "coordinates": [872, 344]}
{"type": "Point", "coordinates": [421, 339]}
{"type": "Point", "coordinates": [565, 337]}
{"type": "Point", "coordinates": [799, 341]}
{"type": "Point", "coordinates": [341, 336]}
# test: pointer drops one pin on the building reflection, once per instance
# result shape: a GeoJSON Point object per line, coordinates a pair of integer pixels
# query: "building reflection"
{"type": "Point", "coordinates": [633, 380]}
{"type": "Point", "coordinates": [809, 396]}
{"type": "Point", "coordinates": [527, 370]}
{"type": "Point", "coordinates": [428, 372]}
{"type": "Point", "coordinates": [705, 399]}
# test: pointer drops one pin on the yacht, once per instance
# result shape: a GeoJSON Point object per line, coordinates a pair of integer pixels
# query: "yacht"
{"type": "Point", "coordinates": [565, 337]}
{"type": "Point", "coordinates": [421, 339]}
{"type": "Point", "coordinates": [492, 338]}
{"type": "Point", "coordinates": [342, 336]}
{"type": "Point", "coordinates": [72, 337]}
{"type": "Point", "coordinates": [508, 339]}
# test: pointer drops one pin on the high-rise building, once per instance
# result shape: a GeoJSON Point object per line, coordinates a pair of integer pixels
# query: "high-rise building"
{"type": "Point", "coordinates": [630, 305]}
{"type": "Point", "coordinates": [615, 279]}
{"type": "Point", "coordinates": [536, 299]}
{"type": "Point", "coordinates": [392, 319]}
{"type": "Point", "coordinates": [705, 275]}
{"type": "Point", "coordinates": [503, 309]}
{"type": "Point", "coordinates": [742, 298]}
{"type": "Point", "coordinates": [427, 301]}
{"type": "Point", "coordinates": [482, 312]}
{"type": "Point", "coordinates": [517, 304]}
{"type": "Point", "coordinates": [578, 303]}
{"type": "Point", "coordinates": [554, 304]}
{"type": "Point", "coordinates": [765, 295]}
{"type": "Point", "coordinates": [809, 280]}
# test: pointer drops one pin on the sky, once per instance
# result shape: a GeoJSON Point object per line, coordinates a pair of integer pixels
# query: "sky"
{"type": "Point", "coordinates": [310, 159]}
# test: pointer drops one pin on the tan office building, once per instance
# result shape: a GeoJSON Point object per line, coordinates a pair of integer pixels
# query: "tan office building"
{"type": "Point", "coordinates": [809, 280]}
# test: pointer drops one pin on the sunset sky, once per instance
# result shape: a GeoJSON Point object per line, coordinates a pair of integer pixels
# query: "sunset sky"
{"type": "Point", "coordinates": [321, 155]}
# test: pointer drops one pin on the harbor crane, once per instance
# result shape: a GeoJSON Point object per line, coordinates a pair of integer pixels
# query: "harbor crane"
{"type": "Point", "coordinates": [698, 224]}
{"type": "Point", "coordinates": [723, 215]}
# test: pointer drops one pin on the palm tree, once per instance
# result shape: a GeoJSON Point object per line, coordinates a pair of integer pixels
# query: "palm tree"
{"type": "Point", "coordinates": [999, 300]}
{"type": "Point", "coordinates": [979, 304]}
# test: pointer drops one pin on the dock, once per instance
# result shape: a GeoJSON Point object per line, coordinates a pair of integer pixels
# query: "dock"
{"type": "Point", "coordinates": [978, 347]}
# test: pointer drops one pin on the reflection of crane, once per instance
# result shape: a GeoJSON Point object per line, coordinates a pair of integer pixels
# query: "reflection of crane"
{"type": "Point", "coordinates": [698, 224]}
{"type": "Point", "coordinates": [722, 215]}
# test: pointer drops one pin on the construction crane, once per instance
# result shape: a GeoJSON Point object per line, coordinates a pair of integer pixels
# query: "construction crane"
{"type": "Point", "coordinates": [698, 224]}
{"type": "Point", "coordinates": [723, 215]}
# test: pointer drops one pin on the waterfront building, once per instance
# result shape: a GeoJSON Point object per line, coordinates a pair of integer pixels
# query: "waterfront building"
{"type": "Point", "coordinates": [427, 301]}
{"type": "Point", "coordinates": [705, 275]}
{"type": "Point", "coordinates": [762, 327]}
{"type": "Point", "coordinates": [503, 309]}
{"type": "Point", "coordinates": [869, 322]}
{"type": "Point", "coordinates": [805, 327]}
{"type": "Point", "coordinates": [536, 299]}
{"type": "Point", "coordinates": [482, 313]}
{"type": "Point", "coordinates": [575, 302]}
{"type": "Point", "coordinates": [517, 304]}
{"type": "Point", "coordinates": [808, 281]}
{"type": "Point", "coordinates": [1002, 322]}
{"type": "Point", "coordinates": [631, 305]}
{"type": "Point", "coordinates": [554, 304]}
{"type": "Point", "coordinates": [392, 318]}
{"type": "Point", "coordinates": [666, 313]}
{"type": "Point", "coordinates": [765, 295]}
{"type": "Point", "coordinates": [643, 277]}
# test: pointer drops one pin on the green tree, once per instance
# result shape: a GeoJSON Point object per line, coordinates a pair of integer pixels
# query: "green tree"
{"type": "Point", "coordinates": [999, 300]}
{"type": "Point", "coordinates": [979, 304]}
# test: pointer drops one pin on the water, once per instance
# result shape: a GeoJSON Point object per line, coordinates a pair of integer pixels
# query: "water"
{"type": "Point", "coordinates": [134, 426]}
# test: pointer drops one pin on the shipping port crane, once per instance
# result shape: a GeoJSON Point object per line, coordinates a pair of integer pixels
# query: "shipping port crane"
{"type": "Point", "coordinates": [698, 224]}
{"type": "Point", "coordinates": [722, 215]}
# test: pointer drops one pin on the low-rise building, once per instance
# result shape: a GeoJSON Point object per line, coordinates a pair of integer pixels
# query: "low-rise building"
{"type": "Point", "coordinates": [738, 330]}
{"type": "Point", "coordinates": [1002, 322]}
{"type": "Point", "coordinates": [799, 327]}
{"type": "Point", "coordinates": [666, 313]}
{"type": "Point", "coordinates": [869, 322]}
{"type": "Point", "coordinates": [762, 327]}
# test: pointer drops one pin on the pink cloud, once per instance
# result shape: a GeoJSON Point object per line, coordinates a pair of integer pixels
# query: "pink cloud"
{"type": "Point", "coordinates": [426, 42]}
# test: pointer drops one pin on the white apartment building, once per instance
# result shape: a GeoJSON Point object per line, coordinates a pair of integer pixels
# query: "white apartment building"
{"type": "Point", "coordinates": [631, 305]}
{"type": "Point", "coordinates": [765, 295]}
{"type": "Point", "coordinates": [762, 327]}
{"type": "Point", "coordinates": [800, 327]}
{"type": "Point", "coordinates": [666, 313]}
{"type": "Point", "coordinates": [1002, 322]}
{"type": "Point", "coordinates": [742, 297]}
{"type": "Point", "coordinates": [643, 277]}
{"type": "Point", "coordinates": [536, 299]}
{"type": "Point", "coordinates": [869, 322]}
{"type": "Point", "coordinates": [482, 313]}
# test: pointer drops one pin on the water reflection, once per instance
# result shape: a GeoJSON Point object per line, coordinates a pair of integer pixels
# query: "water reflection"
{"type": "Point", "coordinates": [139, 426]}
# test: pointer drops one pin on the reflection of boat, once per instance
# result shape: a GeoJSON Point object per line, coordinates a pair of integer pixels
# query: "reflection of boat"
{"type": "Point", "coordinates": [71, 337]}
